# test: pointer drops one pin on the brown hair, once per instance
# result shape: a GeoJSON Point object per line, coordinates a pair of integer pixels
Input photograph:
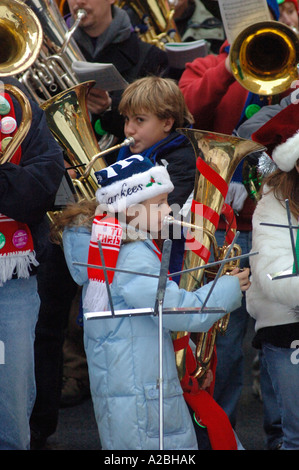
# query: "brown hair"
{"type": "Point", "coordinates": [160, 96]}
{"type": "Point", "coordinates": [285, 186]}
{"type": "Point", "coordinates": [80, 213]}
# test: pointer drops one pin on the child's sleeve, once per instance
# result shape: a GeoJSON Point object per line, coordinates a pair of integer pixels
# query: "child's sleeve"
{"type": "Point", "coordinates": [75, 246]}
{"type": "Point", "coordinates": [139, 291]}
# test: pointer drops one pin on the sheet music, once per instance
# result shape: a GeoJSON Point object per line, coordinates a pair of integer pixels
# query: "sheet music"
{"type": "Point", "coordinates": [106, 76]}
{"type": "Point", "coordinates": [238, 14]}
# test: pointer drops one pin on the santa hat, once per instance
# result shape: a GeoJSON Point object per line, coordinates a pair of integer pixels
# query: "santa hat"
{"type": "Point", "coordinates": [295, 2]}
{"type": "Point", "coordinates": [281, 137]}
{"type": "Point", "coordinates": [129, 182]}
{"type": "Point", "coordinates": [123, 184]}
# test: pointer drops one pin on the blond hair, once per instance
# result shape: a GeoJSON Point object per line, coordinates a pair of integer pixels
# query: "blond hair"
{"type": "Point", "coordinates": [160, 96]}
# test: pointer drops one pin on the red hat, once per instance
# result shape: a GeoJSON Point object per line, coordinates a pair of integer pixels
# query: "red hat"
{"type": "Point", "coordinates": [281, 137]}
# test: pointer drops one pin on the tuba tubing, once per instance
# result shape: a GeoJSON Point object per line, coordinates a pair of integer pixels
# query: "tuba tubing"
{"type": "Point", "coordinates": [24, 126]}
{"type": "Point", "coordinates": [220, 154]}
{"type": "Point", "coordinates": [126, 143]}
{"type": "Point", "coordinates": [156, 24]}
{"type": "Point", "coordinates": [18, 52]}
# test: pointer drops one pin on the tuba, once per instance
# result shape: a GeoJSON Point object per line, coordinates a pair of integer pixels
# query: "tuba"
{"type": "Point", "coordinates": [153, 20]}
{"type": "Point", "coordinates": [68, 120]}
{"type": "Point", "coordinates": [21, 39]}
{"type": "Point", "coordinates": [52, 71]}
{"type": "Point", "coordinates": [217, 157]}
{"type": "Point", "coordinates": [264, 57]}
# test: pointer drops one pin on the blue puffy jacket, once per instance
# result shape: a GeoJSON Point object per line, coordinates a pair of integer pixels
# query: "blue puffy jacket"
{"type": "Point", "coordinates": [122, 353]}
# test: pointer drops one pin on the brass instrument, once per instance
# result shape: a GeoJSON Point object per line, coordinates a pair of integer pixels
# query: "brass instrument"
{"type": "Point", "coordinates": [157, 25]}
{"type": "Point", "coordinates": [21, 39]}
{"type": "Point", "coordinates": [52, 71]}
{"type": "Point", "coordinates": [127, 142]}
{"type": "Point", "coordinates": [220, 154]}
{"type": "Point", "coordinates": [68, 119]}
{"type": "Point", "coordinates": [264, 57]}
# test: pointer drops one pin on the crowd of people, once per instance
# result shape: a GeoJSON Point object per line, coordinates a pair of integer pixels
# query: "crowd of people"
{"type": "Point", "coordinates": [54, 356]}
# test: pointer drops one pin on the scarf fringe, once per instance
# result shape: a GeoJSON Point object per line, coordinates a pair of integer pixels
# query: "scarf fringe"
{"type": "Point", "coordinates": [96, 297]}
{"type": "Point", "coordinates": [16, 263]}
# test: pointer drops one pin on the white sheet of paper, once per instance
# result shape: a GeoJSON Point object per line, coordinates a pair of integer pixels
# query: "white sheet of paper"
{"type": "Point", "coordinates": [238, 14]}
{"type": "Point", "coordinates": [106, 76]}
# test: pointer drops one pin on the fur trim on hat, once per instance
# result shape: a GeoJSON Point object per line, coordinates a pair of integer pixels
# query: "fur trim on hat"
{"type": "Point", "coordinates": [139, 187]}
{"type": "Point", "coordinates": [286, 155]}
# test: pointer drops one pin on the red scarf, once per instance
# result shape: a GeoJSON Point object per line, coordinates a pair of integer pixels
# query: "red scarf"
{"type": "Point", "coordinates": [205, 408]}
{"type": "Point", "coordinates": [109, 232]}
{"type": "Point", "coordinates": [16, 244]}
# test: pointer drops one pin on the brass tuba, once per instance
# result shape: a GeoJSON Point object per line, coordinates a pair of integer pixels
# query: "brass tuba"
{"type": "Point", "coordinates": [68, 120]}
{"type": "Point", "coordinates": [21, 39]}
{"type": "Point", "coordinates": [52, 71]}
{"type": "Point", "coordinates": [264, 57]}
{"type": "Point", "coordinates": [155, 20]}
{"type": "Point", "coordinates": [217, 157]}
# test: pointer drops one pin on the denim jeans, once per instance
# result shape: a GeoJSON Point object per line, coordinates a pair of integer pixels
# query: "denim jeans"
{"type": "Point", "coordinates": [284, 375]}
{"type": "Point", "coordinates": [19, 306]}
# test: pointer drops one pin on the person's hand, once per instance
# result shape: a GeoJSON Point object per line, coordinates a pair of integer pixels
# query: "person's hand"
{"type": "Point", "coordinates": [71, 172]}
{"type": "Point", "coordinates": [208, 379]}
{"type": "Point", "coordinates": [243, 275]}
{"type": "Point", "coordinates": [98, 101]}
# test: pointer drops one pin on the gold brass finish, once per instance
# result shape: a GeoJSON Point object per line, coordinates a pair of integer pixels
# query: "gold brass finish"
{"type": "Point", "coordinates": [21, 37]}
{"type": "Point", "coordinates": [264, 57]}
{"type": "Point", "coordinates": [222, 153]}
{"type": "Point", "coordinates": [157, 17]}
{"type": "Point", "coordinates": [68, 119]}
{"type": "Point", "coordinates": [52, 71]}
{"type": "Point", "coordinates": [23, 127]}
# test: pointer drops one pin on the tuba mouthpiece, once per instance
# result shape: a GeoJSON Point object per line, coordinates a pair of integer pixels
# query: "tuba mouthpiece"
{"type": "Point", "coordinates": [128, 141]}
{"type": "Point", "coordinates": [81, 13]}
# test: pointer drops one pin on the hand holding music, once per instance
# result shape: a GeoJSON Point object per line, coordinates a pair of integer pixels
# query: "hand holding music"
{"type": "Point", "coordinates": [98, 101]}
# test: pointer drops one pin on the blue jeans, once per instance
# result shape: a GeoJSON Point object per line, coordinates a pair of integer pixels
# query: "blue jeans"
{"type": "Point", "coordinates": [285, 380]}
{"type": "Point", "coordinates": [19, 306]}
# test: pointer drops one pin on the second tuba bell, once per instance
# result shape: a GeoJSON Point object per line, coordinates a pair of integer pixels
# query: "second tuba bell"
{"type": "Point", "coordinates": [264, 57]}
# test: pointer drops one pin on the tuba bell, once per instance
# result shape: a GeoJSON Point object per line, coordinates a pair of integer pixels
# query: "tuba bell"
{"type": "Point", "coordinates": [217, 157]}
{"type": "Point", "coordinates": [21, 38]}
{"type": "Point", "coordinates": [264, 57]}
{"type": "Point", "coordinates": [68, 120]}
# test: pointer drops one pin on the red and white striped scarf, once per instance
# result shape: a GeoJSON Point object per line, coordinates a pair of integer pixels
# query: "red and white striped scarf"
{"type": "Point", "coordinates": [108, 231]}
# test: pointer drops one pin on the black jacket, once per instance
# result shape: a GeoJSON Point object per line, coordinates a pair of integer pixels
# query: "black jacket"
{"type": "Point", "coordinates": [133, 58]}
{"type": "Point", "coordinates": [27, 190]}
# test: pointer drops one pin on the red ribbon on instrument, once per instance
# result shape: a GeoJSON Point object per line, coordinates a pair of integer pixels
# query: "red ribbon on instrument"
{"type": "Point", "coordinates": [231, 223]}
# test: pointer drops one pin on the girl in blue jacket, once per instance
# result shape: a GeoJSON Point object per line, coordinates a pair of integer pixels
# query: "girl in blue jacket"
{"type": "Point", "coordinates": [122, 353]}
